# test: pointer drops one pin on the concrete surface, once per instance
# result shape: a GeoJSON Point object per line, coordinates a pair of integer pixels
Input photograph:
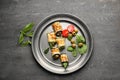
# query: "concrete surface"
{"type": "Point", "coordinates": [101, 16]}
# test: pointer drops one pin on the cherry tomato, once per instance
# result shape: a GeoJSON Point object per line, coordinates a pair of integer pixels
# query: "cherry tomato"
{"type": "Point", "coordinates": [65, 33]}
{"type": "Point", "coordinates": [70, 28]}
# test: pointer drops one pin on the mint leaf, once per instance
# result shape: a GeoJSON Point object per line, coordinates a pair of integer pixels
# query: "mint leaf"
{"type": "Point", "coordinates": [46, 50]}
{"type": "Point", "coordinates": [29, 42]}
{"type": "Point", "coordinates": [21, 38]}
{"type": "Point", "coordinates": [26, 32]}
{"type": "Point", "coordinates": [26, 43]}
{"type": "Point", "coordinates": [70, 48]}
{"type": "Point", "coordinates": [74, 53]}
{"type": "Point", "coordinates": [83, 49]}
{"type": "Point", "coordinates": [80, 38]}
{"type": "Point", "coordinates": [30, 34]}
{"type": "Point", "coordinates": [28, 27]}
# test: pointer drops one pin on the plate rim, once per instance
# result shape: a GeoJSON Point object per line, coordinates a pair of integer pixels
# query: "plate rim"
{"type": "Point", "coordinates": [90, 33]}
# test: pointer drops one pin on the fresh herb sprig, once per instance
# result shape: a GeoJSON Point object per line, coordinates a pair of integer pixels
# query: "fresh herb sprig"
{"type": "Point", "coordinates": [80, 38]}
{"type": "Point", "coordinates": [82, 48]}
{"type": "Point", "coordinates": [73, 50]}
{"type": "Point", "coordinates": [24, 33]}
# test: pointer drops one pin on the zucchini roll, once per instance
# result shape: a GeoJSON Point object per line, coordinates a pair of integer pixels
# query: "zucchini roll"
{"type": "Point", "coordinates": [51, 39]}
{"type": "Point", "coordinates": [57, 28]}
{"type": "Point", "coordinates": [55, 53]}
{"type": "Point", "coordinates": [61, 43]}
{"type": "Point", "coordinates": [64, 60]}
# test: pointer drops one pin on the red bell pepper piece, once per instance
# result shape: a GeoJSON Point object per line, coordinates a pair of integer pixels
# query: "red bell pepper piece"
{"type": "Point", "coordinates": [65, 33]}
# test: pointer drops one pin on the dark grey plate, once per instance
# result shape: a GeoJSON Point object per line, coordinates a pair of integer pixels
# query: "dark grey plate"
{"type": "Point", "coordinates": [40, 43]}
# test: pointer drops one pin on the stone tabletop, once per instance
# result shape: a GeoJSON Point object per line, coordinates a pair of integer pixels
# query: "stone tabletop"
{"type": "Point", "coordinates": [102, 18]}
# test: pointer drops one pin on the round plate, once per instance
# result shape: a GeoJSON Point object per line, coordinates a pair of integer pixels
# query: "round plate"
{"type": "Point", "coordinates": [40, 43]}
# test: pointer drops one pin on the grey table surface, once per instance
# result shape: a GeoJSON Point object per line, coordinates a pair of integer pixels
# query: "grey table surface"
{"type": "Point", "coordinates": [101, 16]}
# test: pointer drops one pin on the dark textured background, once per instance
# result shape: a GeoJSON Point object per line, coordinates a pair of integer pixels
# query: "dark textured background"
{"type": "Point", "coordinates": [101, 16]}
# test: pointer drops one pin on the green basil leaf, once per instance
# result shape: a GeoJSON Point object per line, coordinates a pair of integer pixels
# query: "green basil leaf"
{"type": "Point", "coordinates": [70, 48]}
{"type": "Point", "coordinates": [65, 64]}
{"type": "Point", "coordinates": [30, 34]}
{"type": "Point", "coordinates": [79, 39]}
{"type": "Point", "coordinates": [26, 43]}
{"type": "Point", "coordinates": [46, 50]}
{"type": "Point", "coordinates": [74, 53]}
{"type": "Point", "coordinates": [83, 49]}
{"type": "Point", "coordinates": [28, 27]}
{"type": "Point", "coordinates": [21, 38]}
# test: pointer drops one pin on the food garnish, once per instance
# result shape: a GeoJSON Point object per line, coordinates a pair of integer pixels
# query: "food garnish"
{"type": "Point", "coordinates": [74, 52]}
{"type": "Point", "coordinates": [83, 49]}
{"type": "Point", "coordinates": [74, 33]}
{"type": "Point", "coordinates": [26, 32]}
{"type": "Point", "coordinates": [27, 28]}
{"type": "Point", "coordinates": [70, 28]}
{"type": "Point", "coordinates": [72, 41]}
{"type": "Point", "coordinates": [65, 33]}
{"type": "Point", "coordinates": [80, 44]}
{"type": "Point", "coordinates": [70, 48]}
{"type": "Point", "coordinates": [46, 50]}
{"type": "Point", "coordinates": [79, 39]}
{"type": "Point", "coordinates": [74, 45]}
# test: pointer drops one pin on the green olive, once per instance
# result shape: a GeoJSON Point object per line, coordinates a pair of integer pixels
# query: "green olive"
{"type": "Point", "coordinates": [80, 44]}
{"type": "Point", "coordinates": [74, 45]}
{"type": "Point", "coordinates": [76, 30]}
{"type": "Point", "coordinates": [72, 41]}
{"type": "Point", "coordinates": [74, 33]}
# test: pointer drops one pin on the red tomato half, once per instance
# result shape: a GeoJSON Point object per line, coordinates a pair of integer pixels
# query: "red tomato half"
{"type": "Point", "coordinates": [65, 33]}
{"type": "Point", "coordinates": [70, 28]}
